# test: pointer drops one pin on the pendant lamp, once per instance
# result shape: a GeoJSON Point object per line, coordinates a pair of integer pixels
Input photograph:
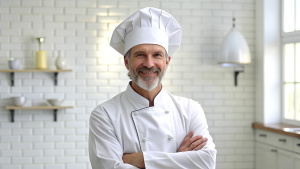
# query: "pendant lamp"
{"type": "Point", "coordinates": [235, 51]}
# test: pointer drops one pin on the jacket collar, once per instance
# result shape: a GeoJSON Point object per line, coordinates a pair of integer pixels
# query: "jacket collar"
{"type": "Point", "coordinates": [159, 99]}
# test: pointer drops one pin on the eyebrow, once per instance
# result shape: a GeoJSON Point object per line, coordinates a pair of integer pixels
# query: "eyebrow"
{"type": "Point", "coordinates": [141, 51]}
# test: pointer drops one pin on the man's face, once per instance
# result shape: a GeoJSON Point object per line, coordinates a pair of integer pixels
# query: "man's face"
{"type": "Point", "coordinates": [147, 65]}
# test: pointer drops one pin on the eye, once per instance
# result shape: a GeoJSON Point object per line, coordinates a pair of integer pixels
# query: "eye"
{"type": "Point", "coordinates": [158, 55]}
{"type": "Point", "coordinates": [140, 55]}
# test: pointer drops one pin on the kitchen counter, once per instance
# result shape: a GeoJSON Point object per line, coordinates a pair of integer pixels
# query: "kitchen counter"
{"type": "Point", "coordinates": [285, 129]}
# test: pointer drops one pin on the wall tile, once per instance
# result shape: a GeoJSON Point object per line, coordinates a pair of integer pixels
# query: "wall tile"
{"type": "Point", "coordinates": [82, 29]}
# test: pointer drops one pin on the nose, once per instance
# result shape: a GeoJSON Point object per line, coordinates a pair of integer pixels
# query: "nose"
{"type": "Point", "coordinates": [148, 62]}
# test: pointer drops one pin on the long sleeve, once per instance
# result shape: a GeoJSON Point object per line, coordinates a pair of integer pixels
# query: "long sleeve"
{"type": "Point", "coordinates": [105, 150]}
{"type": "Point", "coordinates": [114, 130]}
{"type": "Point", "coordinates": [201, 159]}
{"type": "Point", "coordinates": [204, 159]}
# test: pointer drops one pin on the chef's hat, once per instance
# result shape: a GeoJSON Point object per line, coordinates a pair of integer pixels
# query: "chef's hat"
{"type": "Point", "coordinates": [147, 26]}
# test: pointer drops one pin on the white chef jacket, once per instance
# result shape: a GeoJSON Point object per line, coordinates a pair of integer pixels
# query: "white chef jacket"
{"type": "Point", "coordinates": [126, 124]}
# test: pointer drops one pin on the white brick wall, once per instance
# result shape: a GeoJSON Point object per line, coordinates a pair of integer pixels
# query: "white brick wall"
{"type": "Point", "coordinates": [81, 29]}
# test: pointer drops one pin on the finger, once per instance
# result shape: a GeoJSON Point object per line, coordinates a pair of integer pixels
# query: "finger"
{"type": "Point", "coordinates": [124, 158]}
{"type": "Point", "coordinates": [193, 141]}
{"type": "Point", "coordinates": [197, 143]}
{"type": "Point", "coordinates": [201, 145]}
{"type": "Point", "coordinates": [187, 137]}
{"type": "Point", "coordinates": [184, 146]}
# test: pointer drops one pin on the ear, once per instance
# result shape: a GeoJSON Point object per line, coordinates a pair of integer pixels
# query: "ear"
{"type": "Point", "coordinates": [168, 62]}
{"type": "Point", "coordinates": [126, 62]}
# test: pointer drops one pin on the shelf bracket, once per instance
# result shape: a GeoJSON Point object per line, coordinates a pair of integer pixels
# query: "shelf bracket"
{"type": "Point", "coordinates": [55, 114]}
{"type": "Point", "coordinates": [12, 115]}
{"type": "Point", "coordinates": [55, 78]}
{"type": "Point", "coordinates": [12, 78]}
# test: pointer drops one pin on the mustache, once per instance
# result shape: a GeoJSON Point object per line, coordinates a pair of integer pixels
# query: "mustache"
{"type": "Point", "coordinates": [151, 69]}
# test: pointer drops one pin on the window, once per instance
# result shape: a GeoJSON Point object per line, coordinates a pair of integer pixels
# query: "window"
{"type": "Point", "coordinates": [291, 19]}
{"type": "Point", "coordinates": [291, 60]}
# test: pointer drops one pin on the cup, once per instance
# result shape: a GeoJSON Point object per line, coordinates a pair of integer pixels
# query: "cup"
{"type": "Point", "coordinates": [14, 64]}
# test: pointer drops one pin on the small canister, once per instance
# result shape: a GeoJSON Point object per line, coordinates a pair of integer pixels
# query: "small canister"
{"type": "Point", "coordinates": [41, 56]}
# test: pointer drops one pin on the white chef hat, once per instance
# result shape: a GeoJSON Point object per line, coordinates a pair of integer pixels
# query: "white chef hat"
{"type": "Point", "coordinates": [147, 26]}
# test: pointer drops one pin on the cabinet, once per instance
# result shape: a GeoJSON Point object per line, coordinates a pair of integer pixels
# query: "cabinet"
{"type": "Point", "coordinates": [271, 157]}
{"type": "Point", "coordinates": [276, 151]}
{"type": "Point", "coordinates": [265, 157]}
{"type": "Point", "coordinates": [297, 160]}
{"type": "Point", "coordinates": [285, 159]}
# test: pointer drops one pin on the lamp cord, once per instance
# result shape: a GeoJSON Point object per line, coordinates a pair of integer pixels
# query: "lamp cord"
{"type": "Point", "coordinates": [233, 22]}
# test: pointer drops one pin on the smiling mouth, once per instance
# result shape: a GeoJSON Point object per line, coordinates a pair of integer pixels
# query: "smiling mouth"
{"type": "Point", "coordinates": [148, 74]}
{"type": "Point", "coordinates": [148, 71]}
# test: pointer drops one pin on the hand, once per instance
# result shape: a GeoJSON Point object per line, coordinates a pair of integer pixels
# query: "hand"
{"type": "Point", "coordinates": [191, 143]}
{"type": "Point", "coordinates": [135, 159]}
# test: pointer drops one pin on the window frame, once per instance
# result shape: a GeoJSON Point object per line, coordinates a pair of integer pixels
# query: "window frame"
{"type": "Point", "coordinates": [287, 38]}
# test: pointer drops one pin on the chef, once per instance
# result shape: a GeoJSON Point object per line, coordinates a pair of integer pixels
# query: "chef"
{"type": "Point", "coordinates": [146, 126]}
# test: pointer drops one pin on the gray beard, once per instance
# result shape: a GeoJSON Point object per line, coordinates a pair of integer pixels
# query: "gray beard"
{"type": "Point", "coordinates": [147, 84]}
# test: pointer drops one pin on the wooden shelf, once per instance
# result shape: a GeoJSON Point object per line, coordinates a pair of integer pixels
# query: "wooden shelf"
{"type": "Point", "coordinates": [36, 70]}
{"type": "Point", "coordinates": [13, 71]}
{"type": "Point", "coordinates": [54, 108]}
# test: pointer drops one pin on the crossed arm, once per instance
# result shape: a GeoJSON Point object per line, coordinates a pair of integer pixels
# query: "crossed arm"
{"type": "Point", "coordinates": [189, 143]}
{"type": "Point", "coordinates": [106, 152]}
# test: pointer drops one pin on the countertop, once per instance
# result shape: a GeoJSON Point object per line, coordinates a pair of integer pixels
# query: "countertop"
{"type": "Point", "coordinates": [280, 128]}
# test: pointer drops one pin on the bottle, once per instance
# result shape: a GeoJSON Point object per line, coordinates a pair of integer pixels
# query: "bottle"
{"type": "Point", "coordinates": [60, 62]}
{"type": "Point", "coordinates": [41, 56]}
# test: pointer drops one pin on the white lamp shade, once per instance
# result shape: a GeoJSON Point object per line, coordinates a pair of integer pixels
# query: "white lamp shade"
{"type": "Point", "coordinates": [235, 50]}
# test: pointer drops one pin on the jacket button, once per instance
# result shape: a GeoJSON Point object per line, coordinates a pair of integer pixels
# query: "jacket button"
{"type": "Point", "coordinates": [144, 139]}
{"type": "Point", "coordinates": [167, 111]}
{"type": "Point", "coordinates": [170, 137]}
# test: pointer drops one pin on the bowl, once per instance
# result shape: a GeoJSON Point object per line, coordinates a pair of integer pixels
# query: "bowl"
{"type": "Point", "coordinates": [19, 101]}
{"type": "Point", "coordinates": [54, 102]}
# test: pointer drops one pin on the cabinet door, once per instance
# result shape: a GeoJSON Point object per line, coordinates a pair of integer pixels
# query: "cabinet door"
{"type": "Point", "coordinates": [265, 157]}
{"type": "Point", "coordinates": [285, 159]}
{"type": "Point", "coordinates": [297, 161]}
{"type": "Point", "coordinates": [296, 145]}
